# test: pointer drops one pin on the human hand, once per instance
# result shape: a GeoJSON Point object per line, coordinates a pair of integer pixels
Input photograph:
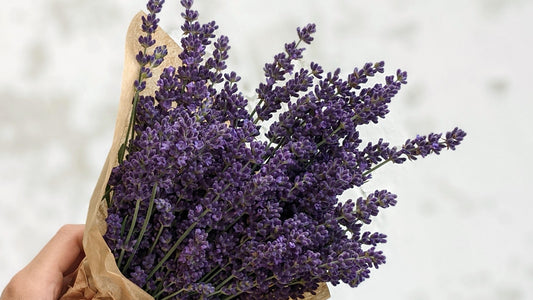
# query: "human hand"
{"type": "Point", "coordinates": [46, 276]}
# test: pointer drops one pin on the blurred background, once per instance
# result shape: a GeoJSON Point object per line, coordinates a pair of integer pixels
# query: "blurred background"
{"type": "Point", "coordinates": [462, 228]}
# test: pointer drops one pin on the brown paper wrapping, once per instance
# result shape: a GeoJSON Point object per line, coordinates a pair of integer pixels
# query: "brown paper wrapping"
{"type": "Point", "coordinates": [98, 276]}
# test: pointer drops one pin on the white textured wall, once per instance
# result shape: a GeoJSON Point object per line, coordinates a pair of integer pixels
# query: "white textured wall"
{"type": "Point", "coordinates": [462, 228]}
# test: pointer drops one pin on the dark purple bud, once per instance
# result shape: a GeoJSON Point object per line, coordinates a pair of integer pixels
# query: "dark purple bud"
{"type": "Point", "coordinates": [305, 34]}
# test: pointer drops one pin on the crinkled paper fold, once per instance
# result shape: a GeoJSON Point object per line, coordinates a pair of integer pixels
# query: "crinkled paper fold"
{"type": "Point", "coordinates": [98, 276]}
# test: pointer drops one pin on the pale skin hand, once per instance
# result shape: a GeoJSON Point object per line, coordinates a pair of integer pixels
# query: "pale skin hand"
{"type": "Point", "coordinates": [45, 276]}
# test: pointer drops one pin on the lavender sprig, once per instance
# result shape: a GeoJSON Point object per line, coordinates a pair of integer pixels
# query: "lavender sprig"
{"type": "Point", "coordinates": [201, 208]}
{"type": "Point", "coordinates": [270, 96]}
{"type": "Point", "coordinates": [146, 61]}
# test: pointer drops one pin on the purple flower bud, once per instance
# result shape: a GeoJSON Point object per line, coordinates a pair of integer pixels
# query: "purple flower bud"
{"type": "Point", "coordinates": [305, 34]}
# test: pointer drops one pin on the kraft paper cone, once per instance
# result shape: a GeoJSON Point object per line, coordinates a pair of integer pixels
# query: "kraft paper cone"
{"type": "Point", "coordinates": [98, 276]}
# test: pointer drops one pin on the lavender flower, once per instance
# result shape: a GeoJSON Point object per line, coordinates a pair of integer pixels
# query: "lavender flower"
{"type": "Point", "coordinates": [200, 207]}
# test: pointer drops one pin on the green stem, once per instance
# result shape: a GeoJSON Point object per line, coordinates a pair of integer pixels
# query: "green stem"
{"type": "Point", "coordinates": [341, 126]}
{"type": "Point", "coordinates": [377, 167]}
{"type": "Point", "coordinates": [279, 145]}
{"type": "Point", "coordinates": [156, 239]}
{"type": "Point", "coordinates": [130, 132]}
{"type": "Point", "coordinates": [107, 195]}
{"type": "Point", "coordinates": [143, 228]}
{"type": "Point", "coordinates": [213, 273]}
{"type": "Point", "coordinates": [255, 111]}
{"type": "Point", "coordinates": [175, 246]}
{"type": "Point", "coordinates": [123, 225]}
{"type": "Point", "coordinates": [160, 232]}
{"type": "Point", "coordinates": [223, 283]}
{"type": "Point", "coordinates": [159, 290]}
{"type": "Point", "coordinates": [130, 232]}
{"type": "Point", "coordinates": [241, 292]}
{"type": "Point", "coordinates": [169, 296]}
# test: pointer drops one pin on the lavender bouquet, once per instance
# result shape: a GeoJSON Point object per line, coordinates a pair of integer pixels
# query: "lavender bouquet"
{"type": "Point", "coordinates": [200, 201]}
